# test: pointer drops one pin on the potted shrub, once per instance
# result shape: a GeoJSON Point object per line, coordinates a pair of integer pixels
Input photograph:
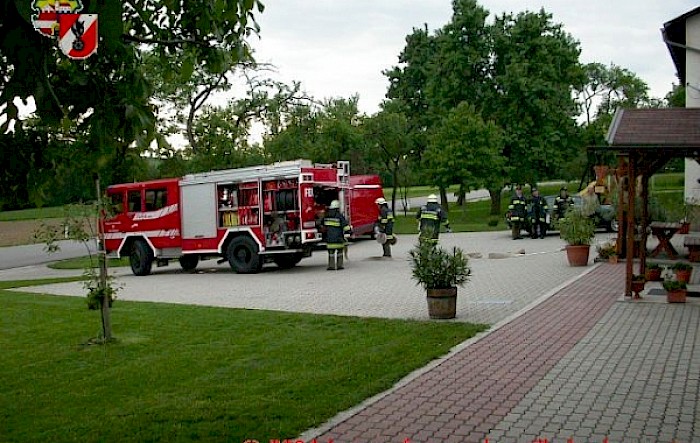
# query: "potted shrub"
{"type": "Point", "coordinates": [676, 291]}
{"type": "Point", "coordinates": [653, 272]}
{"type": "Point", "coordinates": [578, 231]}
{"type": "Point", "coordinates": [439, 272]}
{"type": "Point", "coordinates": [682, 271]}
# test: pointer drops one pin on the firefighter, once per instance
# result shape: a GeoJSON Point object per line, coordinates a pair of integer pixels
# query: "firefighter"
{"type": "Point", "coordinates": [385, 225]}
{"type": "Point", "coordinates": [538, 214]}
{"type": "Point", "coordinates": [518, 212]}
{"type": "Point", "coordinates": [430, 217]}
{"type": "Point", "coordinates": [562, 203]}
{"type": "Point", "coordinates": [337, 232]}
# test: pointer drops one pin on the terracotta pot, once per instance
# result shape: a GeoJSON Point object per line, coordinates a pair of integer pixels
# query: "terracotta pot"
{"type": "Point", "coordinates": [676, 296]}
{"type": "Point", "coordinates": [577, 254]}
{"type": "Point", "coordinates": [653, 274]}
{"type": "Point", "coordinates": [683, 275]}
{"type": "Point", "coordinates": [613, 259]}
{"type": "Point", "coordinates": [442, 303]}
{"type": "Point", "coordinates": [685, 228]}
{"type": "Point", "coordinates": [637, 287]}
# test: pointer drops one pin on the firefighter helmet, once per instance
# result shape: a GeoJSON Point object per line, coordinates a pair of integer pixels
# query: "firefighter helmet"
{"type": "Point", "coordinates": [380, 201]}
{"type": "Point", "coordinates": [432, 198]}
{"type": "Point", "coordinates": [335, 204]}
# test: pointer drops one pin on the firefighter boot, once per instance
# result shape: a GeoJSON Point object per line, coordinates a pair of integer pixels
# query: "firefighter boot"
{"type": "Point", "coordinates": [339, 259]}
{"type": "Point", "coordinates": [331, 260]}
{"type": "Point", "coordinates": [387, 249]}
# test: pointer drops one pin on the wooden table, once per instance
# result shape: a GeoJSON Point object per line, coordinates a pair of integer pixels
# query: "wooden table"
{"type": "Point", "coordinates": [664, 232]}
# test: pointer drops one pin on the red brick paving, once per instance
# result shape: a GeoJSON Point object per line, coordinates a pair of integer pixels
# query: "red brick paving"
{"type": "Point", "coordinates": [463, 398]}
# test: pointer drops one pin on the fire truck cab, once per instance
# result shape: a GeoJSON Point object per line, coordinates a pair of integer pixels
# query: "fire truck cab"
{"type": "Point", "coordinates": [247, 216]}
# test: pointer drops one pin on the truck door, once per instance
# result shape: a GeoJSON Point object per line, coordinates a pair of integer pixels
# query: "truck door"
{"type": "Point", "coordinates": [198, 210]}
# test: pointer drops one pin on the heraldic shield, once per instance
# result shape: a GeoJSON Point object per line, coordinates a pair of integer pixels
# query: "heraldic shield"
{"type": "Point", "coordinates": [78, 35]}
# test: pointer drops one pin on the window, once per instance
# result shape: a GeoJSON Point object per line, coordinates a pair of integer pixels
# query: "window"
{"type": "Point", "coordinates": [134, 199]}
{"type": "Point", "coordinates": [116, 202]}
{"type": "Point", "coordinates": [156, 199]}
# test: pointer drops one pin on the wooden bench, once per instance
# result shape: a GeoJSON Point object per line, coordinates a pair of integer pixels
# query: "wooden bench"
{"type": "Point", "coordinates": [692, 242]}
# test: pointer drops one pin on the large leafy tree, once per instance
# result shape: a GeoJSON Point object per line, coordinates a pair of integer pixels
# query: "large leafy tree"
{"type": "Point", "coordinates": [106, 98]}
{"type": "Point", "coordinates": [518, 72]}
{"type": "Point", "coordinates": [389, 140]}
{"type": "Point", "coordinates": [465, 149]}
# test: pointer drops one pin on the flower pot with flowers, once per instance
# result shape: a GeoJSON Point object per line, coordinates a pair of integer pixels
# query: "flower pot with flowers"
{"type": "Point", "coordinates": [638, 282]}
{"type": "Point", "coordinates": [682, 271]}
{"type": "Point", "coordinates": [439, 272]}
{"type": "Point", "coordinates": [607, 252]}
{"type": "Point", "coordinates": [676, 291]}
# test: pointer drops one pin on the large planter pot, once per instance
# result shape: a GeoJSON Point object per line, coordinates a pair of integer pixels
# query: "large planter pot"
{"type": "Point", "coordinates": [676, 296]}
{"type": "Point", "coordinates": [578, 254]}
{"type": "Point", "coordinates": [442, 303]}
{"type": "Point", "coordinates": [653, 274]}
{"type": "Point", "coordinates": [683, 275]}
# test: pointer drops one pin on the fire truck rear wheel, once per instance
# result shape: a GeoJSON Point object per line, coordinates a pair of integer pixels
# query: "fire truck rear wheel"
{"type": "Point", "coordinates": [242, 255]}
{"type": "Point", "coordinates": [189, 262]}
{"type": "Point", "coordinates": [141, 258]}
{"type": "Point", "coordinates": [287, 261]}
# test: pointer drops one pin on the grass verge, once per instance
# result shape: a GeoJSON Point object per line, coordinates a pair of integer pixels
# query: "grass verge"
{"type": "Point", "coordinates": [33, 214]}
{"type": "Point", "coordinates": [181, 373]}
{"type": "Point", "coordinates": [84, 262]}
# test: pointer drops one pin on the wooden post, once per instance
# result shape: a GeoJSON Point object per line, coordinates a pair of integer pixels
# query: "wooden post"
{"type": "Point", "coordinates": [621, 223]}
{"type": "Point", "coordinates": [645, 223]}
{"type": "Point", "coordinates": [631, 185]}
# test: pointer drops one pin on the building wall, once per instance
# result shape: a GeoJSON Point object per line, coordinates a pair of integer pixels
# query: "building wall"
{"type": "Point", "coordinates": [692, 100]}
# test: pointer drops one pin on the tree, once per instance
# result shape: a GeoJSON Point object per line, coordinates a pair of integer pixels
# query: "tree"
{"type": "Point", "coordinates": [464, 150]}
{"type": "Point", "coordinates": [388, 138]}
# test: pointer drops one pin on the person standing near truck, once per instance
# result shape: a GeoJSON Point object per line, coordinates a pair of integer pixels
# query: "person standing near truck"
{"type": "Point", "coordinates": [430, 216]}
{"type": "Point", "coordinates": [385, 226]}
{"type": "Point", "coordinates": [337, 231]}
{"type": "Point", "coordinates": [518, 212]}
{"type": "Point", "coordinates": [538, 216]}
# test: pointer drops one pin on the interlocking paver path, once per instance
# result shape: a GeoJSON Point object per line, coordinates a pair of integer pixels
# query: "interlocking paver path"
{"type": "Point", "coordinates": [576, 366]}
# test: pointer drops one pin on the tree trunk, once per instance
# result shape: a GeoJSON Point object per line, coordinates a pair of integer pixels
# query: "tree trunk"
{"type": "Point", "coordinates": [462, 196]}
{"type": "Point", "coordinates": [102, 260]}
{"type": "Point", "coordinates": [443, 199]}
{"type": "Point", "coordinates": [395, 183]}
{"type": "Point", "coordinates": [495, 195]}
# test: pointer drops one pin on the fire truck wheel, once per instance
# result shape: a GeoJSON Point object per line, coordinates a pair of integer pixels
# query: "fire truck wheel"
{"type": "Point", "coordinates": [141, 258]}
{"type": "Point", "coordinates": [242, 254]}
{"type": "Point", "coordinates": [287, 261]}
{"type": "Point", "coordinates": [189, 262]}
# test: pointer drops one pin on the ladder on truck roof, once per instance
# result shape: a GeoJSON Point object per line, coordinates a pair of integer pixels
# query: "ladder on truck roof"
{"type": "Point", "coordinates": [275, 170]}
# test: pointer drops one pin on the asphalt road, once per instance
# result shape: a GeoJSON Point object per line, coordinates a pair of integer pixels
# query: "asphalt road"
{"type": "Point", "coordinates": [29, 255]}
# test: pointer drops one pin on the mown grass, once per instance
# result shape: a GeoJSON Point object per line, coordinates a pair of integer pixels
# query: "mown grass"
{"type": "Point", "coordinates": [181, 373]}
{"type": "Point", "coordinates": [84, 262]}
{"type": "Point", "coordinates": [33, 214]}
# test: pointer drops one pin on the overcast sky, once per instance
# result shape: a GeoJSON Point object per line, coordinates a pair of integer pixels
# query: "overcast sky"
{"type": "Point", "coordinates": [337, 48]}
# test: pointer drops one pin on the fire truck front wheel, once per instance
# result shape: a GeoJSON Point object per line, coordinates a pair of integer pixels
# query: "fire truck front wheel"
{"type": "Point", "coordinates": [140, 258]}
{"type": "Point", "coordinates": [242, 255]}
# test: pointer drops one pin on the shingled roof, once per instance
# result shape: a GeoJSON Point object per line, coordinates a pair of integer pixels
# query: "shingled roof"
{"type": "Point", "coordinates": [668, 127]}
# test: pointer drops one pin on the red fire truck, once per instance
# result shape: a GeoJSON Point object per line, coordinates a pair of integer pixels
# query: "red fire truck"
{"type": "Point", "coordinates": [247, 216]}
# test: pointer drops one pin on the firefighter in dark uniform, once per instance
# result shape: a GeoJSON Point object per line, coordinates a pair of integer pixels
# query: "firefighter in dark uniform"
{"type": "Point", "coordinates": [385, 225]}
{"type": "Point", "coordinates": [430, 217]}
{"type": "Point", "coordinates": [538, 214]}
{"type": "Point", "coordinates": [518, 212]}
{"type": "Point", "coordinates": [337, 231]}
{"type": "Point", "coordinates": [562, 203]}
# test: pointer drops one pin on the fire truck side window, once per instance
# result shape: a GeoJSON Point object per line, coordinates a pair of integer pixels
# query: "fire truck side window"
{"type": "Point", "coordinates": [117, 202]}
{"type": "Point", "coordinates": [134, 200]}
{"type": "Point", "coordinates": [156, 199]}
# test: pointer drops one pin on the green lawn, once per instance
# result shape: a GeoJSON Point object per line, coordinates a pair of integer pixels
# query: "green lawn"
{"type": "Point", "coordinates": [84, 262]}
{"type": "Point", "coordinates": [33, 214]}
{"type": "Point", "coordinates": [181, 373]}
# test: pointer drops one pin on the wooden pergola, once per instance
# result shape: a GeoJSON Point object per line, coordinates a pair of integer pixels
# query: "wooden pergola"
{"type": "Point", "coordinates": [644, 141]}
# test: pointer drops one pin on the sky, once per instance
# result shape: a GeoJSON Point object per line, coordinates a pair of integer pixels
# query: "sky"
{"type": "Point", "coordinates": [338, 48]}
